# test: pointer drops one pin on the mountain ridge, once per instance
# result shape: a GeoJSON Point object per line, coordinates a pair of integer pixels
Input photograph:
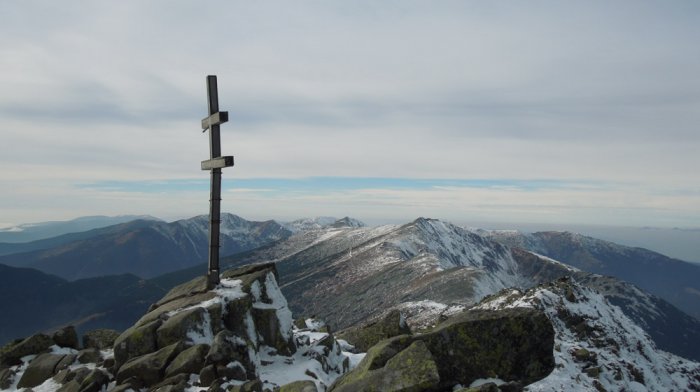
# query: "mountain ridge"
{"type": "Point", "coordinates": [146, 248]}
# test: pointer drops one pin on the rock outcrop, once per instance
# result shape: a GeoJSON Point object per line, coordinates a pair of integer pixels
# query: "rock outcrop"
{"type": "Point", "coordinates": [195, 330]}
{"type": "Point", "coordinates": [367, 335]}
{"type": "Point", "coordinates": [236, 337]}
{"type": "Point", "coordinates": [514, 345]}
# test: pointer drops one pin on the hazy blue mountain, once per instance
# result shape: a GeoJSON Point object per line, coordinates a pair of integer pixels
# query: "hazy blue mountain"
{"type": "Point", "coordinates": [147, 248]}
{"type": "Point", "coordinates": [32, 301]}
{"type": "Point", "coordinates": [36, 231]}
{"type": "Point", "coordinates": [47, 243]}
{"type": "Point", "coordinates": [676, 281]}
{"type": "Point", "coordinates": [345, 275]}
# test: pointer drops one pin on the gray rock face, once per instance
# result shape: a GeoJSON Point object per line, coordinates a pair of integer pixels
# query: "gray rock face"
{"type": "Point", "coordinates": [149, 368]}
{"type": "Point", "coordinates": [89, 355]}
{"type": "Point", "coordinates": [299, 386]}
{"type": "Point", "coordinates": [268, 327]}
{"type": "Point", "coordinates": [227, 348]}
{"type": "Point", "coordinates": [368, 335]}
{"type": "Point", "coordinates": [136, 341]}
{"type": "Point", "coordinates": [86, 381]}
{"type": "Point", "coordinates": [516, 345]}
{"type": "Point", "coordinates": [233, 332]}
{"type": "Point", "coordinates": [175, 328]}
{"type": "Point", "coordinates": [6, 378]}
{"type": "Point", "coordinates": [66, 337]}
{"type": "Point", "coordinates": [11, 354]}
{"type": "Point", "coordinates": [189, 361]}
{"type": "Point", "coordinates": [100, 339]}
{"type": "Point", "coordinates": [394, 365]}
{"type": "Point", "coordinates": [39, 370]}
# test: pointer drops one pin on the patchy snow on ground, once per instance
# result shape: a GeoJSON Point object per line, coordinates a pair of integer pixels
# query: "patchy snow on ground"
{"type": "Point", "coordinates": [597, 347]}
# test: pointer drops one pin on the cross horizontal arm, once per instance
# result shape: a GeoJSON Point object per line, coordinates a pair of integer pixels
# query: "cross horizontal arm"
{"type": "Point", "coordinates": [217, 163]}
{"type": "Point", "coordinates": [215, 119]}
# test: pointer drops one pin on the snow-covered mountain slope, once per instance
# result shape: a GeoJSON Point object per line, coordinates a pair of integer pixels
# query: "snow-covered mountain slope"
{"type": "Point", "coordinates": [347, 276]}
{"type": "Point", "coordinates": [676, 281]}
{"type": "Point", "coordinates": [321, 222]}
{"type": "Point", "coordinates": [597, 347]}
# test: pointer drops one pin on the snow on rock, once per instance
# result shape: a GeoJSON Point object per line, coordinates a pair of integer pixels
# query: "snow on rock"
{"type": "Point", "coordinates": [597, 347]}
{"type": "Point", "coordinates": [420, 315]}
{"type": "Point", "coordinates": [229, 319]}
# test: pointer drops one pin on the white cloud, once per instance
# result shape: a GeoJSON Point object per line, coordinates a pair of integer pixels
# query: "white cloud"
{"type": "Point", "coordinates": [589, 91]}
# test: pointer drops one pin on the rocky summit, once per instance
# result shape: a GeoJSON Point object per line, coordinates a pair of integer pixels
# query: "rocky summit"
{"type": "Point", "coordinates": [240, 336]}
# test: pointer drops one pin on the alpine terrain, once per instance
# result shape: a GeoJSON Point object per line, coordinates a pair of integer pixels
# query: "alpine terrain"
{"type": "Point", "coordinates": [146, 248]}
{"type": "Point", "coordinates": [337, 306]}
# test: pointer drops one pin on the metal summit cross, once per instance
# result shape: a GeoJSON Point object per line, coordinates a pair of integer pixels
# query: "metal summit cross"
{"type": "Point", "coordinates": [214, 164]}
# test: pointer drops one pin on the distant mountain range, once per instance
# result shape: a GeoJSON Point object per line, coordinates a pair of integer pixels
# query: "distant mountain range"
{"type": "Point", "coordinates": [28, 232]}
{"type": "Point", "coordinates": [676, 281]}
{"type": "Point", "coordinates": [146, 248]}
{"type": "Point", "coordinates": [338, 270]}
{"type": "Point", "coordinates": [349, 275]}
{"type": "Point", "coordinates": [32, 301]}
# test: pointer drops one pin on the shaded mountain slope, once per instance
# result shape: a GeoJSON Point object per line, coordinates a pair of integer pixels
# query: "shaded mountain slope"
{"type": "Point", "coordinates": [36, 231]}
{"type": "Point", "coordinates": [34, 301]}
{"type": "Point", "coordinates": [676, 281]}
{"type": "Point", "coordinates": [596, 346]}
{"type": "Point", "coordinates": [47, 243]}
{"type": "Point", "coordinates": [147, 248]}
{"type": "Point", "coordinates": [349, 275]}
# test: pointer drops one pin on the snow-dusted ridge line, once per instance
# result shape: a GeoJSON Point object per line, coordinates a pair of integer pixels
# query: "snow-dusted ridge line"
{"type": "Point", "coordinates": [597, 345]}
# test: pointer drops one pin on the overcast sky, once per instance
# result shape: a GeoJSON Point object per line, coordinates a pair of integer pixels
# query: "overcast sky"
{"type": "Point", "coordinates": [542, 111]}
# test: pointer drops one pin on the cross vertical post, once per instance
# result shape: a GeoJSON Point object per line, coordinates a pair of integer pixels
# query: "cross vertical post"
{"type": "Point", "coordinates": [215, 163]}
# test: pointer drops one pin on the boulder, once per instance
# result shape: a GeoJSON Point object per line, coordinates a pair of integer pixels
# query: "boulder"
{"type": "Point", "coordinates": [176, 383]}
{"type": "Point", "coordinates": [488, 387]}
{"type": "Point", "coordinates": [232, 371]}
{"type": "Point", "coordinates": [412, 369]}
{"type": "Point", "coordinates": [195, 286]}
{"type": "Point", "coordinates": [39, 370]}
{"type": "Point", "coordinates": [12, 353]}
{"type": "Point", "coordinates": [177, 327]}
{"type": "Point", "coordinates": [207, 376]}
{"type": "Point", "coordinates": [71, 379]}
{"type": "Point", "coordinates": [189, 361]}
{"type": "Point", "coordinates": [149, 368]}
{"type": "Point", "coordinates": [66, 362]}
{"type": "Point", "coordinates": [101, 339]}
{"type": "Point", "coordinates": [66, 337]}
{"type": "Point", "coordinates": [250, 269]}
{"type": "Point", "coordinates": [227, 348]}
{"type": "Point", "coordinates": [136, 341]}
{"type": "Point", "coordinates": [299, 386]}
{"type": "Point", "coordinates": [366, 336]}
{"type": "Point", "coordinates": [70, 386]}
{"type": "Point", "coordinates": [94, 381]}
{"type": "Point", "coordinates": [514, 344]}
{"type": "Point", "coordinates": [249, 386]}
{"type": "Point", "coordinates": [124, 388]}
{"type": "Point", "coordinates": [237, 310]}
{"type": "Point", "coordinates": [87, 381]}
{"type": "Point", "coordinates": [7, 376]}
{"type": "Point", "coordinates": [161, 312]}
{"type": "Point", "coordinates": [89, 355]}
{"type": "Point", "coordinates": [267, 325]}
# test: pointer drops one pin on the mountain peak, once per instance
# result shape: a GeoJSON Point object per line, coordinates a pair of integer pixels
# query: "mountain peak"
{"type": "Point", "coordinates": [321, 222]}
